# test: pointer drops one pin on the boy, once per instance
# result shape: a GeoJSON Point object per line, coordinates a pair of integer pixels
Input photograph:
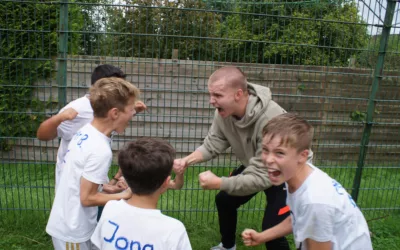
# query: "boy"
{"type": "Point", "coordinates": [323, 214]}
{"type": "Point", "coordinates": [146, 165]}
{"type": "Point", "coordinates": [73, 215]}
{"type": "Point", "coordinates": [74, 116]}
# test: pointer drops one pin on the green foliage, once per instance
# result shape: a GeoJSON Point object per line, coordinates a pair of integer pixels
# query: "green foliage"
{"type": "Point", "coordinates": [368, 58]}
{"type": "Point", "coordinates": [155, 32]}
{"type": "Point", "coordinates": [28, 46]}
{"type": "Point", "coordinates": [308, 37]}
{"type": "Point", "coordinates": [358, 116]}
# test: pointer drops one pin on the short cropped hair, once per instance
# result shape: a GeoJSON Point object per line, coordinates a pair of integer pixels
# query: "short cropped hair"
{"type": "Point", "coordinates": [145, 164]}
{"type": "Point", "coordinates": [293, 130]}
{"type": "Point", "coordinates": [106, 70]}
{"type": "Point", "coordinates": [232, 76]}
{"type": "Point", "coordinates": [112, 92]}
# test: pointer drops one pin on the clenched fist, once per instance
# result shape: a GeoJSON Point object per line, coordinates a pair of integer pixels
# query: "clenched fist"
{"type": "Point", "coordinates": [208, 180]}
{"type": "Point", "coordinates": [180, 166]}
{"type": "Point", "coordinates": [140, 106]}
{"type": "Point", "coordinates": [251, 237]}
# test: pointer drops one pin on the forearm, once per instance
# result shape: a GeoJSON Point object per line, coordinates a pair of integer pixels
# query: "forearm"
{"type": "Point", "coordinates": [100, 199]}
{"type": "Point", "coordinates": [194, 158]}
{"type": "Point", "coordinates": [177, 183]}
{"type": "Point", "coordinates": [48, 129]}
{"type": "Point", "coordinates": [282, 229]}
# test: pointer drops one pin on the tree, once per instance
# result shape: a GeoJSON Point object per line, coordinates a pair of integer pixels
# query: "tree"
{"type": "Point", "coordinates": [312, 34]}
{"type": "Point", "coordinates": [28, 48]}
{"type": "Point", "coordinates": [147, 28]}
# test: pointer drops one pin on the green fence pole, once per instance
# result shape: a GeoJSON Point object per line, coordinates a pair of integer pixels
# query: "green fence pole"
{"type": "Point", "coordinates": [378, 73]}
{"type": "Point", "coordinates": [62, 53]}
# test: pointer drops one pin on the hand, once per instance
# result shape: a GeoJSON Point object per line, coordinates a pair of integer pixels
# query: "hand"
{"type": "Point", "coordinates": [68, 114]}
{"type": "Point", "coordinates": [122, 183]}
{"type": "Point", "coordinates": [127, 194]}
{"type": "Point", "coordinates": [180, 165]}
{"type": "Point", "coordinates": [140, 106]}
{"type": "Point", "coordinates": [251, 238]}
{"type": "Point", "coordinates": [208, 180]}
{"type": "Point", "coordinates": [112, 189]}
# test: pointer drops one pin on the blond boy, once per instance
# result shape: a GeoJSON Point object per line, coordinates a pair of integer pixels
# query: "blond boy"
{"type": "Point", "coordinates": [323, 214]}
{"type": "Point", "coordinates": [73, 215]}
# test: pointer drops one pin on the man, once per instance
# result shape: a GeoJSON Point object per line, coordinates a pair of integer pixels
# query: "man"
{"type": "Point", "coordinates": [242, 110]}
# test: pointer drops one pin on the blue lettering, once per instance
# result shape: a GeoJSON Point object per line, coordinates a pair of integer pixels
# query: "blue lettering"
{"type": "Point", "coordinates": [123, 243]}
{"type": "Point", "coordinates": [338, 187]}
{"type": "Point", "coordinates": [137, 243]}
{"type": "Point", "coordinates": [83, 138]}
{"type": "Point", "coordinates": [352, 201]}
{"type": "Point", "coordinates": [340, 190]}
{"type": "Point", "coordinates": [116, 229]}
{"type": "Point", "coordinates": [117, 246]}
{"type": "Point", "coordinates": [65, 155]}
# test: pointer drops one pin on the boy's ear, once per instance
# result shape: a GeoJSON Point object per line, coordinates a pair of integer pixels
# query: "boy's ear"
{"type": "Point", "coordinates": [113, 113]}
{"type": "Point", "coordinates": [165, 184]}
{"type": "Point", "coordinates": [304, 155]}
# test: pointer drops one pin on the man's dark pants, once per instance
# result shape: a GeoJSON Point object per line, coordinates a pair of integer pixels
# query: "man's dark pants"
{"type": "Point", "coordinates": [274, 213]}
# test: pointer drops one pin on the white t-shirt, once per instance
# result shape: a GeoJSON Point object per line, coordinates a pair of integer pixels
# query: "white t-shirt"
{"type": "Point", "coordinates": [322, 210]}
{"type": "Point", "coordinates": [123, 226]}
{"type": "Point", "coordinates": [89, 156]}
{"type": "Point", "coordinates": [67, 129]}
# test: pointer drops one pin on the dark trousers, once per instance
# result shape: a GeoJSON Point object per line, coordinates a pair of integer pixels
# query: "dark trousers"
{"type": "Point", "coordinates": [227, 206]}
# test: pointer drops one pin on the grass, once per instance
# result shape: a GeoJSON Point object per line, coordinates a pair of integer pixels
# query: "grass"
{"type": "Point", "coordinates": [26, 192]}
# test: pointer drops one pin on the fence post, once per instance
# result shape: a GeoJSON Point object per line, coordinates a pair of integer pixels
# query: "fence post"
{"type": "Point", "coordinates": [62, 54]}
{"type": "Point", "coordinates": [378, 73]}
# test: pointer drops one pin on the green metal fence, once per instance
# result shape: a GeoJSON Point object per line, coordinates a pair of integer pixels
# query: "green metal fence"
{"type": "Point", "coordinates": [335, 62]}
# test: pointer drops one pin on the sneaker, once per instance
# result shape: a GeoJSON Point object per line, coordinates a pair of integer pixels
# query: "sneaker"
{"type": "Point", "coordinates": [220, 247]}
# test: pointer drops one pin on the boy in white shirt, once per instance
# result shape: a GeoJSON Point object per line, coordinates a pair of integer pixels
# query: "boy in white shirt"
{"type": "Point", "coordinates": [74, 116]}
{"type": "Point", "coordinates": [323, 214]}
{"type": "Point", "coordinates": [146, 165]}
{"type": "Point", "coordinates": [73, 215]}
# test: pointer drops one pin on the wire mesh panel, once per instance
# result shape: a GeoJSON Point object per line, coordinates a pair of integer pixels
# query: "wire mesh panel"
{"type": "Point", "coordinates": [321, 59]}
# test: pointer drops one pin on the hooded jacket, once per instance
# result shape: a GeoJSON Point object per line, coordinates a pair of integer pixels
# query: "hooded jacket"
{"type": "Point", "coordinates": [244, 136]}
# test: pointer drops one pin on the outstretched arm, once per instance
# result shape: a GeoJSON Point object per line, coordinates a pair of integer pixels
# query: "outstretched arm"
{"type": "Point", "coordinates": [176, 183]}
{"type": "Point", "coordinates": [252, 238]}
{"type": "Point", "coordinates": [48, 129]}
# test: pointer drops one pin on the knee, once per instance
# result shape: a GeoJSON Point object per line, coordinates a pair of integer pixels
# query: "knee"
{"type": "Point", "coordinates": [222, 200]}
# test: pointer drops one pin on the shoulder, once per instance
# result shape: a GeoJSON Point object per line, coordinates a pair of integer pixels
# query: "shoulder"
{"type": "Point", "coordinates": [172, 223]}
{"type": "Point", "coordinates": [319, 189]}
{"type": "Point", "coordinates": [81, 104]}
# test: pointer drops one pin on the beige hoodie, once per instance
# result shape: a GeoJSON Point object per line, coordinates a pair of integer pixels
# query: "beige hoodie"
{"type": "Point", "coordinates": [245, 138]}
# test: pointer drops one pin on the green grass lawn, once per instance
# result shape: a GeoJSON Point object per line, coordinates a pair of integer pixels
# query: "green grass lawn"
{"type": "Point", "coordinates": [26, 192]}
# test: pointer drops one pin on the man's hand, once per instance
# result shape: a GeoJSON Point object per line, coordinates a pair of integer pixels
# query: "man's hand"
{"type": "Point", "coordinates": [180, 166]}
{"type": "Point", "coordinates": [251, 238]}
{"type": "Point", "coordinates": [140, 106]}
{"type": "Point", "coordinates": [68, 114]}
{"type": "Point", "coordinates": [208, 180]}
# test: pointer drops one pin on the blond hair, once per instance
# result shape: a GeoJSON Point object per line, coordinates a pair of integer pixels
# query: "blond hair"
{"type": "Point", "coordinates": [112, 92]}
{"type": "Point", "coordinates": [293, 130]}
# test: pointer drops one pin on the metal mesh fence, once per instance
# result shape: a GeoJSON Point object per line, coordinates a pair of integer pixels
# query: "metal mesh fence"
{"type": "Point", "coordinates": [334, 62]}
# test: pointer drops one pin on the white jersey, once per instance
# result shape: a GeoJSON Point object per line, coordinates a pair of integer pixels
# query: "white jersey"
{"type": "Point", "coordinates": [89, 156]}
{"type": "Point", "coordinates": [322, 210]}
{"type": "Point", "coordinates": [68, 128]}
{"type": "Point", "coordinates": [123, 226]}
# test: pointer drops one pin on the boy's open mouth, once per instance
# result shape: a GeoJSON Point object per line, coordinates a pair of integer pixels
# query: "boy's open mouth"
{"type": "Point", "coordinates": [274, 173]}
